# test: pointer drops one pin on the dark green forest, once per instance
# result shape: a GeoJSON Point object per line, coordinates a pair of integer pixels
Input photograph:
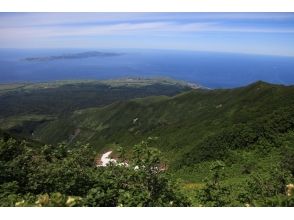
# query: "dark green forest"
{"type": "Point", "coordinates": [222, 147]}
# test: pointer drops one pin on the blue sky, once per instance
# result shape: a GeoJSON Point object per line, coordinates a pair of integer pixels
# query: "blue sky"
{"type": "Point", "coordinates": [255, 33]}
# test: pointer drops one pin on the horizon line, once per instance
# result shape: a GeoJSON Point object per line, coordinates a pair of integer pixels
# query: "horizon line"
{"type": "Point", "coordinates": [158, 49]}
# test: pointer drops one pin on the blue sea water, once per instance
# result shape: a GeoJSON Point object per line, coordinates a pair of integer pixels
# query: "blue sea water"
{"type": "Point", "coordinates": [213, 70]}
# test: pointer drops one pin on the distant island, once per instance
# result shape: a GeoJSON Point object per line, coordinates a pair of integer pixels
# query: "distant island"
{"type": "Point", "coordinates": [74, 56]}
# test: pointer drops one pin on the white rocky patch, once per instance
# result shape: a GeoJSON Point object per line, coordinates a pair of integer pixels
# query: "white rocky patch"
{"type": "Point", "coordinates": [106, 160]}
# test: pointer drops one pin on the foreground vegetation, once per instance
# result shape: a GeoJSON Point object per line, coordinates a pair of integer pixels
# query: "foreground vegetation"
{"type": "Point", "coordinates": [33, 175]}
{"type": "Point", "coordinates": [57, 176]}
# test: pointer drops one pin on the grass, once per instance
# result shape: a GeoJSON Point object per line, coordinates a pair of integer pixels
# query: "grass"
{"type": "Point", "coordinates": [18, 121]}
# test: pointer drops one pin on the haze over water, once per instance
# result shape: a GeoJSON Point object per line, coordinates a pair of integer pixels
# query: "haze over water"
{"type": "Point", "coordinates": [214, 70]}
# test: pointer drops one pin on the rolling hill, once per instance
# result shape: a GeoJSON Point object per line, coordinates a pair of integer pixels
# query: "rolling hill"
{"type": "Point", "coordinates": [180, 122]}
{"type": "Point", "coordinates": [229, 147]}
{"type": "Point", "coordinates": [26, 105]}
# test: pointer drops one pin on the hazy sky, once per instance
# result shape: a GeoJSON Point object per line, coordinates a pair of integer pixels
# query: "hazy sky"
{"type": "Point", "coordinates": [257, 33]}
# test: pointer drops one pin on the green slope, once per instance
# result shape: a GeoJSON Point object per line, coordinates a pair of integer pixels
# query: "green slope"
{"type": "Point", "coordinates": [27, 105]}
{"type": "Point", "coordinates": [231, 147]}
{"type": "Point", "coordinates": [66, 96]}
{"type": "Point", "coordinates": [181, 122]}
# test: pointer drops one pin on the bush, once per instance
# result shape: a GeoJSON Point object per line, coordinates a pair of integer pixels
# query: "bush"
{"type": "Point", "coordinates": [141, 183]}
{"type": "Point", "coordinates": [52, 176]}
{"type": "Point", "coordinates": [268, 187]}
{"type": "Point", "coordinates": [215, 193]}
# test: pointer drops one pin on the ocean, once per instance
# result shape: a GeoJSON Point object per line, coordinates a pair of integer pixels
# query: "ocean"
{"type": "Point", "coordinates": [210, 69]}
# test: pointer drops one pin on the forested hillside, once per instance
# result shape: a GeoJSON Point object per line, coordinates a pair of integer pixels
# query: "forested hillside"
{"type": "Point", "coordinates": [180, 122]}
{"type": "Point", "coordinates": [27, 105]}
{"type": "Point", "coordinates": [227, 147]}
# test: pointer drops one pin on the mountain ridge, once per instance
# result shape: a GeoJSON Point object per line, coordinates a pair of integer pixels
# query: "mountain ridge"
{"type": "Point", "coordinates": [174, 119]}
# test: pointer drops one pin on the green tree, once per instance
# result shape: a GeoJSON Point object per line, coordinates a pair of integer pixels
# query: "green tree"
{"type": "Point", "coordinates": [140, 183]}
{"type": "Point", "coordinates": [215, 193]}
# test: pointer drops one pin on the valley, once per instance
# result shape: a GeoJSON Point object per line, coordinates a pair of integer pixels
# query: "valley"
{"type": "Point", "coordinates": [218, 141]}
